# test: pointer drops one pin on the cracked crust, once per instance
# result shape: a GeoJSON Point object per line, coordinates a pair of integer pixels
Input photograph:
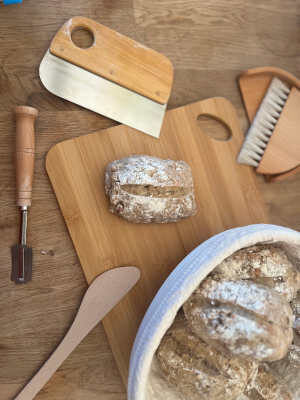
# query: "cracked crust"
{"type": "Point", "coordinates": [264, 264]}
{"type": "Point", "coordinates": [198, 370]}
{"type": "Point", "coordinates": [144, 189]}
{"type": "Point", "coordinates": [241, 317]}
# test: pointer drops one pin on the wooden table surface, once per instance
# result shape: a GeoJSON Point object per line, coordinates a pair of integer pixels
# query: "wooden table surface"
{"type": "Point", "coordinates": [209, 42]}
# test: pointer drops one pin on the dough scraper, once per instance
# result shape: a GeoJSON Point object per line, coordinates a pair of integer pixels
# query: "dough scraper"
{"type": "Point", "coordinates": [115, 76]}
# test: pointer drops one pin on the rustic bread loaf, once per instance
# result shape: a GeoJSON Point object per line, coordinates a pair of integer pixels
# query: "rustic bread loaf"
{"type": "Point", "coordinates": [244, 311]}
{"type": "Point", "coordinates": [243, 306]}
{"type": "Point", "coordinates": [144, 189]}
{"type": "Point", "coordinates": [241, 317]}
{"type": "Point", "coordinates": [296, 310]}
{"type": "Point", "coordinates": [264, 263]}
{"type": "Point", "coordinates": [287, 371]}
{"type": "Point", "coordinates": [198, 370]}
{"type": "Point", "coordinates": [266, 386]}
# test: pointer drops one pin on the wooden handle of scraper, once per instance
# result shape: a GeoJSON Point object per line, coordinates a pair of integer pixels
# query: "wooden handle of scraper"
{"type": "Point", "coordinates": [117, 58]}
{"type": "Point", "coordinates": [25, 118]}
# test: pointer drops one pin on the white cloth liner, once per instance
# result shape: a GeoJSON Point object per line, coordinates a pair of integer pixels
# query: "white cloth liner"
{"type": "Point", "coordinates": [181, 283]}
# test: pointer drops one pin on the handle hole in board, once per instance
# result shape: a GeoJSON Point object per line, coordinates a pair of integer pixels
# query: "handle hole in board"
{"type": "Point", "coordinates": [83, 37]}
{"type": "Point", "coordinates": [214, 127]}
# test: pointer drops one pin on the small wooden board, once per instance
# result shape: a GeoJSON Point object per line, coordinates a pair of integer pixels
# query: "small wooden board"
{"type": "Point", "coordinates": [226, 193]}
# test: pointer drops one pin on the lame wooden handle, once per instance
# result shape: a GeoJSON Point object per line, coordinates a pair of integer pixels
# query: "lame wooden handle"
{"type": "Point", "coordinates": [25, 118]}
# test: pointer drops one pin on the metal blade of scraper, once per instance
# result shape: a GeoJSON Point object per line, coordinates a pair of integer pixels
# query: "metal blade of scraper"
{"type": "Point", "coordinates": [100, 95]}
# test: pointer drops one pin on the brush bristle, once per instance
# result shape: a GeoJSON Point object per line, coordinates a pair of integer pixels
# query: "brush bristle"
{"type": "Point", "coordinates": [264, 123]}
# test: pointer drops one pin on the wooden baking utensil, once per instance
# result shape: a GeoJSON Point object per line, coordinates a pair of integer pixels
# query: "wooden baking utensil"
{"type": "Point", "coordinates": [226, 194]}
{"type": "Point", "coordinates": [116, 76]}
{"type": "Point", "coordinates": [25, 142]}
{"type": "Point", "coordinates": [102, 295]}
{"type": "Point", "coordinates": [280, 157]}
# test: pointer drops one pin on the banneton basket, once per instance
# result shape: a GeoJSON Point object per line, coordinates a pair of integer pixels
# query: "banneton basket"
{"type": "Point", "coordinates": [145, 382]}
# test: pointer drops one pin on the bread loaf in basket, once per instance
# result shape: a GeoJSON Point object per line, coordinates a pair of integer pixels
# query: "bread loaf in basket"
{"type": "Point", "coordinates": [145, 378]}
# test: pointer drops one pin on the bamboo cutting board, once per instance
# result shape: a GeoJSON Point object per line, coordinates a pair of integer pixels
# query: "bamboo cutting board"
{"type": "Point", "coordinates": [226, 193]}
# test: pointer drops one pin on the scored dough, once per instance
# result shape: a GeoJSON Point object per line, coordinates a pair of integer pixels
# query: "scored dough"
{"type": "Point", "coordinates": [144, 189]}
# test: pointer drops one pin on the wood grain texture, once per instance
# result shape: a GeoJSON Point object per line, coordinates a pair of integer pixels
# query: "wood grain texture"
{"type": "Point", "coordinates": [43, 309]}
{"type": "Point", "coordinates": [117, 58]}
{"type": "Point", "coordinates": [225, 192]}
{"type": "Point", "coordinates": [25, 148]}
{"type": "Point", "coordinates": [209, 43]}
{"type": "Point", "coordinates": [102, 295]}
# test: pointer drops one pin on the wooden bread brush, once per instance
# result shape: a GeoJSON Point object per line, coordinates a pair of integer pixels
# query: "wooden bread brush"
{"type": "Point", "coordinates": [272, 143]}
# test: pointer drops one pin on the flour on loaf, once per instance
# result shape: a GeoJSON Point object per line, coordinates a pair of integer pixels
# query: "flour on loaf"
{"type": "Point", "coordinates": [144, 189]}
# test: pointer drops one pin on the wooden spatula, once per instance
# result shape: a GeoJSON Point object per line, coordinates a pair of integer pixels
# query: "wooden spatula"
{"type": "Point", "coordinates": [104, 293]}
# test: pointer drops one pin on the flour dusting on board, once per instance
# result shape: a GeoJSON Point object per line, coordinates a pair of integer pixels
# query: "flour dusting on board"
{"type": "Point", "coordinates": [67, 27]}
{"type": "Point", "coordinates": [141, 46]}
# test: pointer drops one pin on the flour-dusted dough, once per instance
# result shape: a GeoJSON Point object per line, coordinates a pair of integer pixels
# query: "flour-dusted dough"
{"type": "Point", "coordinates": [267, 264]}
{"type": "Point", "coordinates": [198, 370]}
{"type": "Point", "coordinates": [296, 310]}
{"type": "Point", "coordinates": [241, 317]}
{"type": "Point", "coordinates": [287, 371]}
{"type": "Point", "coordinates": [244, 305]}
{"type": "Point", "coordinates": [144, 189]}
{"type": "Point", "coordinates": [267, 386]}
{"type": "Point", "coordinates": [244, 311]}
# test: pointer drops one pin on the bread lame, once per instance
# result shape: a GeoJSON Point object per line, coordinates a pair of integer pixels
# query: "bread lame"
{"type": "Point", "coordinates": [21, 253]}
{"type": "Point", "coordinates": [115, 77]}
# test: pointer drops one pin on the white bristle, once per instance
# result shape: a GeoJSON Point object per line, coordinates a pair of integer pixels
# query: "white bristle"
{"type": "Point", "coordinates": [264, 123]}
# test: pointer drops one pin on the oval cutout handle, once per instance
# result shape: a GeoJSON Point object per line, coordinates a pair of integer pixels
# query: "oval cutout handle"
{"type": "Point", "coordinates": [214, 127]}
{"type": "Point", "coordinates": [223, 112]}
{"type": "Point", "coordinates": [83, 38]}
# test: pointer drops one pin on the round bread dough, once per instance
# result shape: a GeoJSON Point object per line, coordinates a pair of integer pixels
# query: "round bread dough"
{"type": "Point", "coordinates": [144, 189]}
{"type": "Point", "coordinates": [267, 264]}
{"type": "Point", "coordinates": [296, 310]}
{"type": "Point", "coordinates": [198, 370]}
{"type": "Point", "coordinates": [287, 371]}
{"type": "Point", "coordinates": [241, 317]}
{"type": "Point", "coordinates": [267, 386]}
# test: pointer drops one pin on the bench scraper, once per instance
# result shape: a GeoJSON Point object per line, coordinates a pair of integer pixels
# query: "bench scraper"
{"type": "Point", "coordinates": [116, 76]}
